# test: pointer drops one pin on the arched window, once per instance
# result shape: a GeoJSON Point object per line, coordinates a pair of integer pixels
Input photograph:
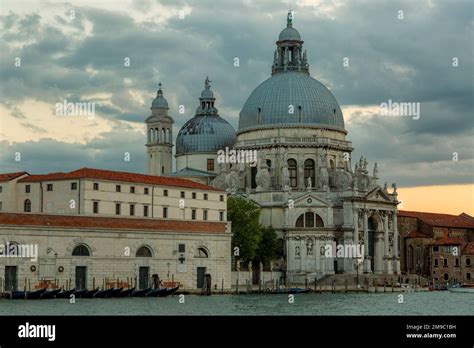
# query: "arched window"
{"type": "Point", "coordinates": [157, 135]}
{"type": "Point", "coordinates": [202, 253]}
{"type": "Point", "coordinates": [81, 250]}
{"type": "Point", "coordinates": [150, 136]}
{"type": "Point", "coordinates": [293, 171]}
{"type": "Point", "coordinates": [309, 220]}
{"type": "Point", "coordinates": [143, 252]}
{"type": "Point", "coordinates": [163, 135]}
{"type": "Point", "coordinates": [27, 206]}
{"type": "Point", "coordinates": [446, 276]}
{"type": "Point", "coordinates": [309, 172]}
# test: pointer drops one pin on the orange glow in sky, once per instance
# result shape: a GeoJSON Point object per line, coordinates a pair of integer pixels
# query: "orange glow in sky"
{"type": "Point", "coordinates": [447, 199]}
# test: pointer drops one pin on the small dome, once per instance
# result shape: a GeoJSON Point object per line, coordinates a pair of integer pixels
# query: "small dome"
{"type": "Point", "coordinates": [289, 33]}
{"type": "Point", "coordinates": [205, 134]}
{"type": "Point", "coordinates": [159, 101]}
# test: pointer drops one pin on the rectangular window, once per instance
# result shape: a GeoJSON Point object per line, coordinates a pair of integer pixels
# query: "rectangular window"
{"type": "Point", "coordinates": [182, 248]}
{"type": "Point", "coordinates": [96, 186]}
{"type": "Point", "coordinates": [182, 194]}
{"type": "Point", "coordinates": [210, 164]}
{"type": "Point", "coordinates": [132, 189]}
{"type": "Point", "coordinates": [118, 188]}
{"type": "Point", "coordinates": [73, 185]}
{"type": "Point", "coordinates": [27, 188]}
{"type": "Point", "coordinates": [165, 212]}
{"type": "Point", "coordinates": [117, 209]}
{"type": "Point", "coordinates": [194, 195]}
{"type": "Point", "coordinates": [445, 263]}
{"type": "Point", "coordinates": [221, 198]}
{"type": "Point", "coordinates": [436, 262]}
{"type": "Point", "coordinates": [468, 276]}
{"type": "Point", "coordinates": [1, 206]}
{"type": "Point", "coordinates": [193, 214]}
{"type": "Point", "coordinates": [132, 209]}
{"type": "Point", "coordinates": [145, 210]}
{"type": "Point", "coordinates": [163, 170]}
{"type": "Point", "coordinates": [457, 262]}
{"type": "Point", "coordinates": [146, 190]}
{"type": "Point", "coordinates": [468, 262]}
{"type": "Point", "coordinates": [435, 249]}
{"type": "Point", "coordinates": [204, 215]}
{"type": "Point", "coordinates": [205, 196]}
{"type": "Point", "coordinates": [1, 189]}
{"type": "Point", "coordinates": [165, 193]}
{"type": "Point", "coordinates": [96, 207]}
{"type": "Point", "coordinates": [221, 216]}
{"type": "Point", "coordinates": [49, 187]}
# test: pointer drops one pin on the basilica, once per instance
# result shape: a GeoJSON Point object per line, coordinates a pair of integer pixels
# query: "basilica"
{"type": "Point", "coordinates": [304, 179]}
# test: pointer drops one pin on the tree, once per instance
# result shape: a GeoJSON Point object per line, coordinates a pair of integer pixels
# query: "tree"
{"type": "Point", "coordinates": [245, 216]}
{"type": "Point", "coordinates": [267, 248]}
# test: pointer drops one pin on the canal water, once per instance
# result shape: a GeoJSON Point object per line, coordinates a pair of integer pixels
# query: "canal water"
{"type": "Point", "coordinates": [414, 303]}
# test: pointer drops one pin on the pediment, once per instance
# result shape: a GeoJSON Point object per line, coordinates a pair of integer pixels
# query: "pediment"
{"type": "Point", "coordinates": [310, 200]}
{"type": "Point", "coordinates": [378, 194]}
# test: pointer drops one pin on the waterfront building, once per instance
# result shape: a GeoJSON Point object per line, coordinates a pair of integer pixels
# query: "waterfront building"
{"type": "Point", "coordinates": [91, 225]}
{"type": "Point", "coordinates": [437, 246]}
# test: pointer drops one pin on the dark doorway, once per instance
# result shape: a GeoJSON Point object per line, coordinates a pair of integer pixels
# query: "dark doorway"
{"type": "Point", "coordinates": [255, 273]}
{"type": "Point", "coordinates": [372, 227]}
{"type": "Point", "coordinates": [81, 277]}
{"type": "Point", "coordinates": [253, 175]}
{"type": "Point", "coordinates": [143, 277]}
{"type": "Point", "coordinates": [11, 278]}
{"type": "Point", "coordinates": [201, 272]}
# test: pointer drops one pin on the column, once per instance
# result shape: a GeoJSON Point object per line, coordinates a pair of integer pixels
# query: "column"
{"type": "Point", "coordinates": [330, 260]}
{"type": "Point", "coordinates": [317, 253]}
{"type": "Point", "coordinates": [396, 266]}
{"type": "Point", "coordinates": [356, 226]}
{"type": "Point", "coordinates": [387, 262]}
{"type": "Point", "coordinates": [366, 244]}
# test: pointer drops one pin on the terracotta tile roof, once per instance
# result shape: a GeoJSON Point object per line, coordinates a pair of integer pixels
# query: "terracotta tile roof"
{"type": "Point", "coordinates": [11, 176]}
{"type": "Point", "coordinates": [100, 174]}
{"type": "Point", "coordinates": [448, 241]}
{"type": "Point", "coordinates": [417, 234]}
{"type": "Point", "coordinates": [440, 220]}
{"type": "Point", "coordinates": [469, 249]}
{"type": "Point", "coordinates": [77, 221]}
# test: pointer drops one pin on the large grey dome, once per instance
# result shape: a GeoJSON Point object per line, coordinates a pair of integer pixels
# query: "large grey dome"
{"type": "Point", "coordinates": [273, 100]}
{"type": "Point", "coordinates": [289, 34]}
{"type": "Point", "coordinates": [205, 133]}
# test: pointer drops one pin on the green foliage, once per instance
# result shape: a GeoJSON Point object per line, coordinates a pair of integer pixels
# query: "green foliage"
{"type": "Point", "coordinates": [245, 216]}
{"type": "Point", "coordinates": [267, 248]}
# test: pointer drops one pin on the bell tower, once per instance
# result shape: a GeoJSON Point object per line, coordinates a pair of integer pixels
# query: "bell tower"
{"type": "Point", "coordinates": [159, 137]}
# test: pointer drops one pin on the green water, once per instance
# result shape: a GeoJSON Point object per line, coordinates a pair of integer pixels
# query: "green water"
{"type": "Point", "coordinates": [414, 303]}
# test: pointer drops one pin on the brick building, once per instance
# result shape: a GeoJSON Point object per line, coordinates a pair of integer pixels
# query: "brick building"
{"type": "Point", "coordinates": [439, 247]}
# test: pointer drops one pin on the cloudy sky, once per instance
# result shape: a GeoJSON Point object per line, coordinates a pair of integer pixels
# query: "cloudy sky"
{"type": "Point", "coordinates": [404, 51]}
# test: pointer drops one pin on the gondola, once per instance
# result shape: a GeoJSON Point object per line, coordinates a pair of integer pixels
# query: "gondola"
{"type": "Point", "coordinates": [14, 295]}
{"type": "Point", "coordinates": [79, 293]}
{"type": "Point", "coordinates": [35, 295]}
{"type": "Point", "coordinates": [103, 293]}
{"type": "Point", "coordinates": [49, 294]}
{"type": "Point", "coordinates": [157, 292]}
{"type": "Point", "coordinates": [115, 292]}
{"type": "Point", "coordinates": [65, 293]}
{"type": "Point", "coordinates": [169, 291]}
{"type": "Point", "coordinates": [298, 291]}
{"type": "Point", "coordinates": [89, 293]}
{"type": "Point", "coordinates": [126, 293]}
{"type": "Point", "coordinates": [141, 293]}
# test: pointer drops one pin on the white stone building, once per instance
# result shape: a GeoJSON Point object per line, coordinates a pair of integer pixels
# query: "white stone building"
{"type": "Point", "coordinates": [91, 225]}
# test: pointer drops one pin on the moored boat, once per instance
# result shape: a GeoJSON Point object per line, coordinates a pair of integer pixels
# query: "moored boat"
{"type": "Point", "coordinates": [169, 291]}
{"type": "Point", "coordinates": [141, 293]}
{"type": "Point", "coordinates": [15, 295]}
{"type": "Point", "coordinates": [157, 292]}
{"type": "Point", "coordinates": [126, 293]}
{"type": "Point", "coordinates": [79, 293]}
{"type": "Point", "coordinates": [103, 293]}
{"type": "Point", "coordinates": [35, 295]}
{"type": "Point", "coordinates": [65, 293]}
{"type": "Point", "coordinates": [90, 293]}
{"type": "Point", "coordinates": [466, 288]}
{"type": "Point", "coordinates": [50, 294]}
